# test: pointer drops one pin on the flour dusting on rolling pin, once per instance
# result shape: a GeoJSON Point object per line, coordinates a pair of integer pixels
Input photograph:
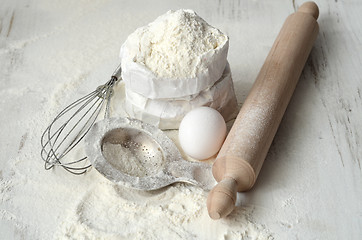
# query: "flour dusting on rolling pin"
{"type": "Point", "coordinates": [244, 150]}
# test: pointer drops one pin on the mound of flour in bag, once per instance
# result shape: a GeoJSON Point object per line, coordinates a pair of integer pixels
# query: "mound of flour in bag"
{"type": "Point", "coordinates": [177, 44]}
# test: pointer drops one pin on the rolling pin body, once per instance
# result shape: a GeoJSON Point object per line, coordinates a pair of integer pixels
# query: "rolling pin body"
{"type": "Point", "coordinates": [245, 148]}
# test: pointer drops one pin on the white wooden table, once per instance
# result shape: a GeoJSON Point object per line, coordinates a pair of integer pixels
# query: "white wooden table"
{"type": "Point", "coordinates": [310, 186]}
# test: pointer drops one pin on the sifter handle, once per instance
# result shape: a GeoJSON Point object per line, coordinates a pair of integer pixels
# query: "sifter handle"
{"type": "Point", "coordinates": [245, 148]}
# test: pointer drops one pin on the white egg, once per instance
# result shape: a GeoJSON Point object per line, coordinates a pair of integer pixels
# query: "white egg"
{"type": "Point", "coordinates": [202, 132]}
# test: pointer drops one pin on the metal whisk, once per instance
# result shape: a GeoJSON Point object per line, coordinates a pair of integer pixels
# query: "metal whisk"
{"type": "Point", "coordinates": [71, 125]}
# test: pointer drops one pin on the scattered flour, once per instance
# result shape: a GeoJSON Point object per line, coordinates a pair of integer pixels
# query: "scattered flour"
{"type": "Point", "coordinates": [39, 204]}
{"type": "Point", "coordinates": [112, 212]}
{"type": "Point", "coordinates": [174, 45]}
{"type": "Point", "coordinates": [58, 51]}
{"type": "Point", "coordinates": [63, 206]}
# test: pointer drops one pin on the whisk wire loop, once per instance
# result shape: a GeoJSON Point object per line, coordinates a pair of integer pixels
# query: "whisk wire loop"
{"type": "Point", "coordinates": [71, 125]}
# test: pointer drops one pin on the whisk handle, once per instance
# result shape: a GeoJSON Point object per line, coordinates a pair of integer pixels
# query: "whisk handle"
{"type": "Point", "coordinates": [117, 73]}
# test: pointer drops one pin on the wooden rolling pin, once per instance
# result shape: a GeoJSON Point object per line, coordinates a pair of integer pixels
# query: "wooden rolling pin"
{"type": "Point", "coordinates": [245, 148]}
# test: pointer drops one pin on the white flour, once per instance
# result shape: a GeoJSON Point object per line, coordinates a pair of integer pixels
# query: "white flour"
{"type": "Point", "coordinates": [133, 160]}
{"type": "Point", "coordinates": [108, 211]}
{"type": "Point", "coordinates": [39, 204]}
{"type": "Point", "coordinates": [174, 44]}
{"type": "Point", "coordinates": [56, 51]}
{"type": "Point", "coordinates": [63, 206]}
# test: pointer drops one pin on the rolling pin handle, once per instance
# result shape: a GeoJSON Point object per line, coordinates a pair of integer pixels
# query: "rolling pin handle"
{"type": "Point", "coordinates": [310, 8]}
{"type": "Point", "coordinates": [222, 198]}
